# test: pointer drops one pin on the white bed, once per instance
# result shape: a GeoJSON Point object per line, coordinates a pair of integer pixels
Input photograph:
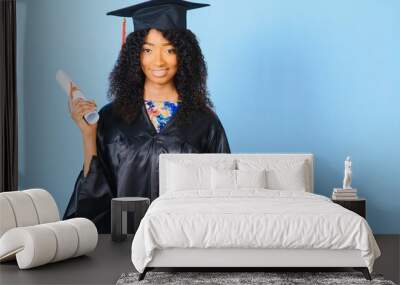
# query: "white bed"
{"type": "Point", "coordinates": [201, 220]}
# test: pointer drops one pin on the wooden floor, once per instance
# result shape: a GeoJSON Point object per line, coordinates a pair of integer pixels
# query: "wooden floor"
{"type": "Point", "coordinates": [110, 260]}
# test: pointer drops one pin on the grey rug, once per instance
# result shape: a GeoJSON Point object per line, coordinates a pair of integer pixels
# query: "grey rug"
{"type": "Point", "coordinates": [269, 278]}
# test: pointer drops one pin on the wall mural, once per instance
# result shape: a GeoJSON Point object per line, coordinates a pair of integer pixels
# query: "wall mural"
{"type": "Point", "coordinates": [159, 104]}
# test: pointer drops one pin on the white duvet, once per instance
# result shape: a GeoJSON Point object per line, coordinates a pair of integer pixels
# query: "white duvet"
{"type": "Point", "coordinates": [251, 218]}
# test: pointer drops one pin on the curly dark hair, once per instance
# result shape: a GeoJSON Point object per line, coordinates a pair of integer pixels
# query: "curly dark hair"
{"type": "Point", "coordinates": [127, 78]}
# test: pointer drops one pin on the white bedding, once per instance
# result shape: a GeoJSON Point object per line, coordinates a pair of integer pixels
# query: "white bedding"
{"type": "Point", "coordinates": [250, 218]}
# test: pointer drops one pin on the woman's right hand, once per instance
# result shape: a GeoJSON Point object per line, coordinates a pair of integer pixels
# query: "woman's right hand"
{"type": "Point", "coordinates": [77, 109]}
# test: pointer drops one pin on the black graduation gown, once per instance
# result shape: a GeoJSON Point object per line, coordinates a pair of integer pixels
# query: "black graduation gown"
{"type": "Point", "coordinates": [127, 159]}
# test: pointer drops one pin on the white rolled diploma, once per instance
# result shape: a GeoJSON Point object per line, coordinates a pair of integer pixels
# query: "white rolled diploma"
{"type": "Point", "coordinates": [65, 83]}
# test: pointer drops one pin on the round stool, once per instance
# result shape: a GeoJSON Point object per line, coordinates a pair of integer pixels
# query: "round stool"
{"type": "Point", "coordinates": [119, 208]}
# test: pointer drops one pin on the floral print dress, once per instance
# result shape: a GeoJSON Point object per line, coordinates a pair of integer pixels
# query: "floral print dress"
{"type": "Point", "coordinates": [161, 112]}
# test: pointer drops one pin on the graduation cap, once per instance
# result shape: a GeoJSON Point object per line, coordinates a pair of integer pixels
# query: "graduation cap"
{"type": "Point", "coordinates": [159, 14]}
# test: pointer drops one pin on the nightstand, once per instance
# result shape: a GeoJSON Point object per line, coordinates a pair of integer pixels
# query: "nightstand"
{"type": "Point", "coordinates": [358, 206]}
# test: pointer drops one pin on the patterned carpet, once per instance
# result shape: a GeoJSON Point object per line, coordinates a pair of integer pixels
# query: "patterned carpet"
{"type": "Point", "coordinates": [243, 278]}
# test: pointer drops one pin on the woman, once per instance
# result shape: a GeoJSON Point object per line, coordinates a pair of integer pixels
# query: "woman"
{"type": "Point", "coordinates": [159, 105]}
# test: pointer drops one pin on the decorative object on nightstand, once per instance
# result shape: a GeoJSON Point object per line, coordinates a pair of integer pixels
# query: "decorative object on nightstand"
{"type": "Point", "coordinates": [358, 205]}
{"type": "Point", "coordinates": [119, 209]}
{"type": "Point", "coordinates": [344, 194]}
{"type": "Point", "coordinates": [347, 192]}
{"type": "Point", "coordinates": [347, 173]}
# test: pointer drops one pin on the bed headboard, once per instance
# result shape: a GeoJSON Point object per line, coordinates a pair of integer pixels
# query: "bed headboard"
{"type": "Point", "coordinates": [209, 158]}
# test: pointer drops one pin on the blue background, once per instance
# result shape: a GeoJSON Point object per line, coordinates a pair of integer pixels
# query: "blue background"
{"type": "Point", "coordinates": [309, 76]}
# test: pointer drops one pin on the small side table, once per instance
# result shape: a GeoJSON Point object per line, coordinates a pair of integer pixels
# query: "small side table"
{"type": "Point", "coordinates": [119, 208]}
{"type": "Point", "coordinates": [358, 206]}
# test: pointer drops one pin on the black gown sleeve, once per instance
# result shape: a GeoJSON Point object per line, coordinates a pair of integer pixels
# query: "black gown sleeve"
{"type": "Point", "coordinates": [92, 194]}
{"type": "Point", "coordinates": [217, 142]}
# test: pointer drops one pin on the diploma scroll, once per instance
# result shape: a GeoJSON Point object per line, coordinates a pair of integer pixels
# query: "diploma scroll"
{"type": "Point", "coordinates": [65, 83]}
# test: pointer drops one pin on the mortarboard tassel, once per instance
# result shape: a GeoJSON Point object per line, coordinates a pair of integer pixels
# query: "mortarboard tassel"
{"type": "Point", "coordinates": [123, 32]}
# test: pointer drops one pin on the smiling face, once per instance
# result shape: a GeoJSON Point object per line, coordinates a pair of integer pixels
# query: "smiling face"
{"type": "Point", "coordinates": [158, 58]}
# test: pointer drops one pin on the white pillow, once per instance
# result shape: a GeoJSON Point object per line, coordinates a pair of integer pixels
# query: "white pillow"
{"type": "Point", "coordinates": [223, 179]}
{"type": "Point", "coordinates": [281, 174]}
{"type": "Point", "coordinates": [236, 179]}
{"type": "Point", "coordinates": [251, 178]}
{"type": "Point", "coordinates": [189, 174]}
{"type": "Point", "coordinates": [182, 177]}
